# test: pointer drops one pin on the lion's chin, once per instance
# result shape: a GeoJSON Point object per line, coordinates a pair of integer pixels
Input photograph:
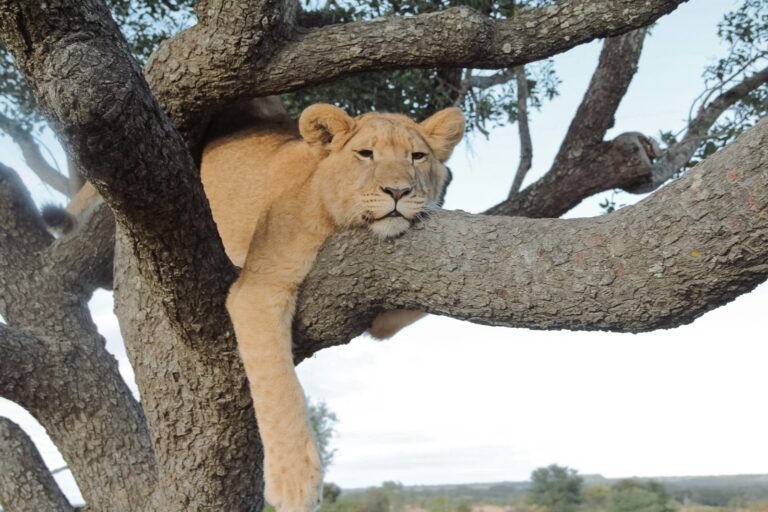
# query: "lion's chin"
{"type": "Point", "coordinates": [390, 227]}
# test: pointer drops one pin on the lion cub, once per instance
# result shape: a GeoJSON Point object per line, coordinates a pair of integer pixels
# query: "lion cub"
{"type": "Point", "coordinates": [276, 198]}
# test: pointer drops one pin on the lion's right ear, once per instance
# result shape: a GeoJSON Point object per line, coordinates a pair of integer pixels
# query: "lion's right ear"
{"type": "Point", "coordinates": [320, 123]}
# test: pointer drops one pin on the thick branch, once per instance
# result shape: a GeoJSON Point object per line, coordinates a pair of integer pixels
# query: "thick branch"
{"type": "Point", "coordinates": [93, 93]}
{"type": "Point", "coordinates": [83, 261]}
{"type": "Point", "coordinates": [22, 232]}
{"type": "Point", "coordinates": [526, 146]}
{"type": "Point", "coordinates": [213, 63]}
{"type": "Point", "coordinates": [26, 485]}
{"type": "Point", "coordinates": [610, 81]}
{"type": "Point", "coordinates": [584, 164]}
{"type": "Point", "coordinates": [30, 150]}
{"type": "Point", "coordinates": [456, 37]}
{"type": "Point", "coordinates": [204, 67]}
{"type": "Point", "coordinates": [690, 248]}
{"type": "Point", "coordinates": [625, 162]}
{"type": "Point", "coordinates": [22, 359]}
{"type": "Point", "coordinates": [205, 440]}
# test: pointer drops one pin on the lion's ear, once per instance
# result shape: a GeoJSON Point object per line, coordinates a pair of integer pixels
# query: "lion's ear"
{"type": "Point", "coordinates": [443, 131]}
{"type": "Point", "coordinates": [320, 123]}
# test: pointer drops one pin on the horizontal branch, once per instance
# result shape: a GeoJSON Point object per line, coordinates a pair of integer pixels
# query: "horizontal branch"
{"type": "Point", "coordinates": [626, 163]}
{"type": "Point", "coordinates": [30, 150]}
{"type": "Point", "coordinates": [488, 81]}
{"type": "Point", "coordinates": [26, 484]}
{"type": "Point", "coordinates": [691, 247]}
{"type": "Point", "coordinates": [454, 37]}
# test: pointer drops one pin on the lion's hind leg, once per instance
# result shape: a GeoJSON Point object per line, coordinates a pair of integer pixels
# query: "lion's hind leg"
{"type": "Point", "coordinates": [389, 323]}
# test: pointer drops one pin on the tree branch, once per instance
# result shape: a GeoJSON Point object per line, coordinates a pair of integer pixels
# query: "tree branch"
{"type": "Point", "coordinates": [32, 156]}
{"type": "Point", "coordinates": [486, 82]}
{"type": "Point", "coordinates": [526, 146]}
{"type": "Point", "coordinates": [204, 67]}
{"type": "Point", "coordinates": [27, 485]}
{"type": "Point", "coordinates": [22, 232]}
{"type": "Point", "coordinates": [675, 157]}
{"type": "Point", "coordinates": [206, 441]}
{"type": "Point", "coordinates": [608, 86]}
{"type": "Point", "coordinates": [213, 64]}
{"type": "Point", "coordinates": [71, 385]}
{"type": "Point", "coordinates": [83, 261]}
{"type": "Point", "coordinates": [456, 37]}
{"type": "Point", "coordinates": [583, 162]}
{"type": "Point", "coordinates": [22, 358]}
{"type": "Point", "coordinates": [689, 248]}
{"type": "Point", "coordinates": [625, 162]}
{"type": "Point", "coordinates": [101, 105]}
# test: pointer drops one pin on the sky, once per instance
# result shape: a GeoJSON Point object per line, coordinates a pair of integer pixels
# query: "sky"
{"type": "Point", "coordinates": [447, 401]}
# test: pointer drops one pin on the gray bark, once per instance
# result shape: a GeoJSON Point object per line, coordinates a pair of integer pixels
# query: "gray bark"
{"type": "Point", "coordinates": [198, 407]}
{"type": "Point", "coordinates": [26, 485]}
{"type": "Point", "coordinates": [53, 359]}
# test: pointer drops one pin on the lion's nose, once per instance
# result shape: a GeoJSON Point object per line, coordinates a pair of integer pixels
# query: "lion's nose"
{"type": "Point", "coordinates": [397, 193]}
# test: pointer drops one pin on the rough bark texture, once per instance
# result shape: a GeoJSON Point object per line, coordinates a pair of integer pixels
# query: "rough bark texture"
{"type": "Point", "coordinates": [198, 407]}
{"type": "Point", "coordinates": [68, 381]}
{"type": "Point", "coordinates": [26, 485]}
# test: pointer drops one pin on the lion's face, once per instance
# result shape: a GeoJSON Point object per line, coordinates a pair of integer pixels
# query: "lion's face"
{"type": "Point", "coordinates": [380, 170]}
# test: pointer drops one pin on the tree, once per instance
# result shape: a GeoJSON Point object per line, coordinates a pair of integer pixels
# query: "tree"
{"type": "Point", "coordinates": [556, 488]}
{"type": "Point", "coordinates": [136, 134]}
{"type": "Point", "coordinates": [637, 496]}
{"type": "Point", "coordinates": [322, 420]}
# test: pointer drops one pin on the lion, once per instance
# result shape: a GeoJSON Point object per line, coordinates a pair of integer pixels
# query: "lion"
{"type": "Point", "coordinates": [276, 196]}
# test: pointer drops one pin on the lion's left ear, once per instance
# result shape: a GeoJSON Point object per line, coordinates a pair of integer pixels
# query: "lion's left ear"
{"type": "Point", "coordinates": [320, 123]}
{"type": "Point", "coordinates": [443, 131]}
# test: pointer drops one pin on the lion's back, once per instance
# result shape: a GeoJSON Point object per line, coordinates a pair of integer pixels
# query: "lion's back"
{"type": "Point", "coordinates": [243, 174]}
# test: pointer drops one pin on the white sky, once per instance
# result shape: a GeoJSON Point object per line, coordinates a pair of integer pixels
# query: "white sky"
{"type": "Point", "coordinates": [451, 402]}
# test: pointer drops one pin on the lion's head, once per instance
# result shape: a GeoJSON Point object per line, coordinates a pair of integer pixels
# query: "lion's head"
{"type": "Point", "coordinates": [380, 170]}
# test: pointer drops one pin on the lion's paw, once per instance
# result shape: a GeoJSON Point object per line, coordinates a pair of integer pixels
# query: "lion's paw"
{"type": "Point", "coordinates": [294, 478]}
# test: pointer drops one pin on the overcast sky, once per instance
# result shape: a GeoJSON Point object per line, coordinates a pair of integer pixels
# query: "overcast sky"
{"type": "Point", "coordinates": [449, 402]}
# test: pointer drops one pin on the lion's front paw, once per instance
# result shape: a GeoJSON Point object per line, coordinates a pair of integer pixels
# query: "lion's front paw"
{"type": "Point", "coordinates": [293, 478]}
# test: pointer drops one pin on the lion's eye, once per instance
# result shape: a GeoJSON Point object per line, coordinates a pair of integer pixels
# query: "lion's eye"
{"type": "Point", "coordinates": [365, 153]}
{"type": "Point", "coordinates": [418, 156]}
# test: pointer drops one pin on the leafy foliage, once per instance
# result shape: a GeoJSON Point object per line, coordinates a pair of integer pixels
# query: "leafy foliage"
{"type": "Point", "coordinates": [145, 23]}
{"type": "Point", "coordinates": [323, 421]}
{"type": "Point", "coordinates": [745, 31]}
{"type": "Point", "coordinates": [636, 496]}
{"type": "Point", "coordinates": [556, 488]}
{"type": "Point", "coordinates": [420, 92]}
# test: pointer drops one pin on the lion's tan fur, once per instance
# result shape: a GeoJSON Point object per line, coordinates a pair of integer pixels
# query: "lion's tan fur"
{"type": "Point", "coordinates": [276, 196]}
